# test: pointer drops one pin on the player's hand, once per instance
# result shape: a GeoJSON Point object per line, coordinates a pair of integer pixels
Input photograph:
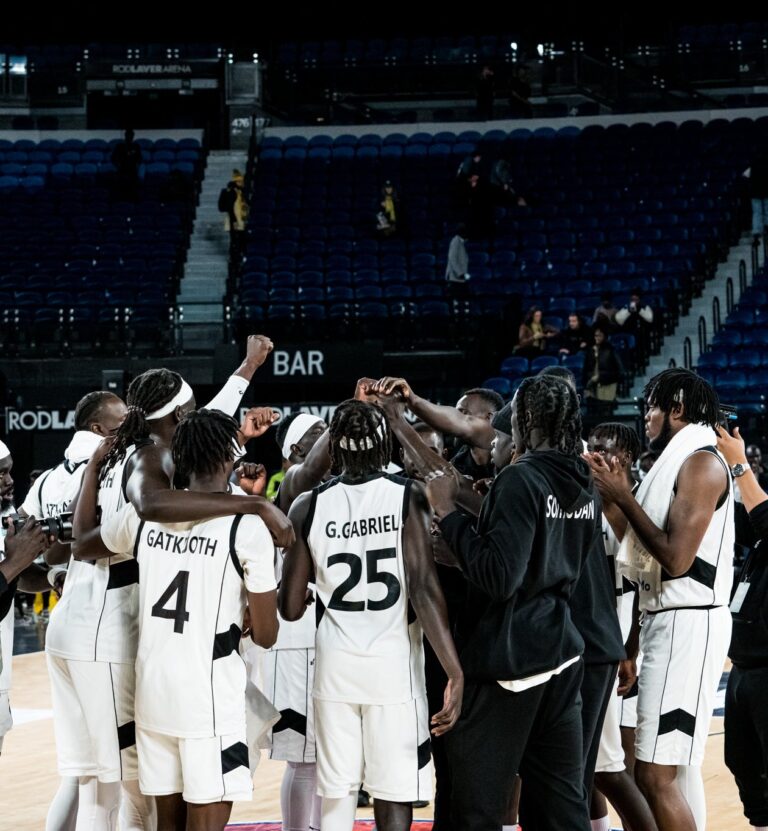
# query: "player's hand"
{"type": "Point", "coordinates": [611, 480]}
{"type": "Point", "coordinates": [392, 405]}
{"type": "Point", "coordinates": [731, 446]}
{"type": "Point", "coordinates": [252, 478]}
{"type": "Point", "coordinates": [364, 390]}
{"type": "Point", "coordinates": [482, 486]}
{"type": "Point", "coordinates": [391, 386]}
{"type": "Point", "coordinates": [310, 598]}
{"type": "Point", "coordinates": [442, 490]}
{"type": "Point", "coordinates": [246, 623]}
{"type": "Point", "coordinates": [256, 422]}
{"type": "Point", "coordinates": [23, 547]}
{"type": "Point", "coordinates": [258, 349]}
{"type": "Point", "coordinates": [280, 527]}
{"type": "Point", "coordinates": [97, 459]}
{"type": "Point", "coordinates": [443, 721]}
{"type": "Point", "coordinates": [627, 676]}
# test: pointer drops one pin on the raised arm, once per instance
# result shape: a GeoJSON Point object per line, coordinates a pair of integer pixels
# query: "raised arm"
{"type": "Point", "coordinates": [297, 565]}
{"type": "Point", "coordinates": [230, 396]}
{"type": "Point", "coordinates": [428, 602]}
{"type": "Point", "coordinates": [732, 447]}
{"type": "Point", "coordinates": [87, 543]}
{"type": "Point", "coordinates": [307, 475]}
{"type": "Point", "coordinates": [476, 431]}
{"type": "Point", "coordinates": [700, 484]}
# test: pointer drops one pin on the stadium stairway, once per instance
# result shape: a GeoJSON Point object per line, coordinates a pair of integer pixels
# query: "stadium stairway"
{"type": "Point", "coordinates": [205, 275]}
{"type": "Point", "coordinates": [673, 351]}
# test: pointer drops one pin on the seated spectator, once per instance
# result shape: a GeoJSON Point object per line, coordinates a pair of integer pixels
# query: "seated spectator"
{"type": "Point", "coordinates": [755, 459]}
{"type": "Point", "coordinates": [534, 335]}
{"type": "Point", "coordinates": [602, 369]}
{"type": "Point", "coordinates": [636, 319]}
{"type": "Point", "coordinates": [389, 211]}
{"type": "Point", "coordinates": [471, 165]}
{"type": "Point", "coordinates": [605, 313]}
{"type": "Point", "coordinates": [576, 336]}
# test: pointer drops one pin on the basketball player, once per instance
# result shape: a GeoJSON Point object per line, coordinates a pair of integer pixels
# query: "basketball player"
{"type": "Point", "coordinates": [370, 705]}
{"type": "Point", "coordinates": [289, 667]}
{"type": "Point", "coordinates": [190, 678]}
{"type": "Point", "coordinates": [678, 544]}
{"type": "Point", "coordinates": [522, 559]}
{"type": "Point", "coordinates": [613, 440]}
{"type": "Point", "coordinates": [31, 579]}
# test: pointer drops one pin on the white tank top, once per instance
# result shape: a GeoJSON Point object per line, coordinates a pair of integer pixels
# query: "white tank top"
{"type": "Point", "coordinates": [708, 581]}
{"type": "Point", "coordinates": [369, 643]}
{"type": "Point", "coordinates": [97, 616]}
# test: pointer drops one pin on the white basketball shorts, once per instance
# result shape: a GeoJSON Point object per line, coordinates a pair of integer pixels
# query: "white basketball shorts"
{"type": "Point", "coordinates": [93, 718]}
{"type": "Point", "coordinates": [610, 753]}
{"type": "Point", "coordinates": [289, 676]}
{"type": "Point", "coordinates": [384, 747]}
{"type": "Point", "coordinates": [202, 770]}
{"type": "Point", "coordinates": [684, 653]}
{"type": "Point", "coordinates": [6, 719]}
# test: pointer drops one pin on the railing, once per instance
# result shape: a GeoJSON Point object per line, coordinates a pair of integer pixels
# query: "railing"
{"type": "Point", "coordinates": [687, 353]}
{"type": "Point", "coordinates": [716, 324]}
{"type": "Point", "coordinates": [702, 335]}
{"type": "Point", "coordinates": [729, 295]}
{"type": "Point", "coordinates": [742, 277]}
{"type": "Point", "coordinates": [755, 258]}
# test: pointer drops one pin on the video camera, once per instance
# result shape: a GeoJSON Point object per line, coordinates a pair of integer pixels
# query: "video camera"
{"type": "Point", "coordinates": [59, 527]}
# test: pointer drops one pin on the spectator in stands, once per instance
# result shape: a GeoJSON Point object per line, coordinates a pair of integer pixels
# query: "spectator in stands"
{"type": "Point", "coordinates": [755, 459]}
{"type": "Point", "coordinates": [576, 336]}
{"type": "Point", "coordinates": [472, 165]}
{"type": "Point", "coordinates": [126, 157]}
{"type": "Point", "coordinates": [646, 461]}
{"type": "Point", "coordinates": [636, 318]}
{"type": "Point", "coordinates": [605, 313]}
{"type": "Point", "coordinates": [236, 221]}
{"type": "Point", "coordinates": [457, 269]}
{"type": "Point", "coordinates": [486, 89]}
{"type": "Point", "coordinates": [534, 336]}
{"type": "Point", "coordinates": [602, 369]}
{"type": "Point", "coordinates": [501, 181]}
{"type": "Point", "coordinates": [758, 192]}
{"type": "Point", "coordinates": [389, 211]}
{"type": "Point", "coordinates": [520, 93]}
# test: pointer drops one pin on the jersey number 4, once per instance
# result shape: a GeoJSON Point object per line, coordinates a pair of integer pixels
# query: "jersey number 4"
{"type": "Point", "coordinates": [373, 575]}
{"type": "Point", "coordinates": [179, 614]}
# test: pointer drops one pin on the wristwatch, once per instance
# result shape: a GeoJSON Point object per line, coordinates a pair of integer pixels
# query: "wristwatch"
{"type": "Point", "coordinates": [739, 470]}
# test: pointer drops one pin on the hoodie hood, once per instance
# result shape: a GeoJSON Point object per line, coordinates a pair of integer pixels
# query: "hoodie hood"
{"type": "Point", "coordinates": [569, 477]}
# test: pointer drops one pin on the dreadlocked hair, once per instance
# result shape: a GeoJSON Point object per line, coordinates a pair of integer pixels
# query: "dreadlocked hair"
{"type": "Point", "coordinates": [551, 406]}
{"type": "Point", "coordinates": [360, 439]}
{"type": "Point", "coordinates": [204, 441]}
{"type": "Point", "coordinates": [673, 387]}
{"type": "Point", "coordinates": [88, 408]}
{"type": "Point", "coordinates": [147, 393]}
{"type": "Point", "coordinates": [623, 435]}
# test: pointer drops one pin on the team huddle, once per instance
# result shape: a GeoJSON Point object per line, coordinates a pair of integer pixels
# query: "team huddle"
{"type": "Point", "coordinates": [482, 614]}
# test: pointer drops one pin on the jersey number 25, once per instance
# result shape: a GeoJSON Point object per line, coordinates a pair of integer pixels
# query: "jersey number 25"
{"type": "Point", "coordinates": [373, 575]}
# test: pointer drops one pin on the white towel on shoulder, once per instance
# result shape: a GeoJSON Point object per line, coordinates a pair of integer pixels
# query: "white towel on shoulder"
{"type": "Point", "coordinates": [655, 496]}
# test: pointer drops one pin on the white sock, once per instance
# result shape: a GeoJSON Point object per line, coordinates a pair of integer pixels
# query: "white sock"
{"type": "Point", "coordinates": [62, 812]}
{"type": "Point", "coordinates": [691, 784]}
{"type": "Point", "coordinates": [602, 824]}
{"type": "Point", "coordinates": [339, 814]}
{"type": "Point", "coordinates": [98, 805]}
{"type": "Point", "coordinates": [137, 812]}
{"type": "Point", "coordinates": [298, 797]}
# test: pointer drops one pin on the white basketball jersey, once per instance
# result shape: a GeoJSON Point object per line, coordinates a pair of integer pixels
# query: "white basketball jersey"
{"type": "Point", "coordinates": [369, 644]}
{"type": "Point", "coordinates": [97, 616]}
{"type": "Point", "coordinates": [190, 678]}
{"type": "Point", "coordinates": [6, 624]}
{"type": "Point", "coordinates": [54, 490]}
{"type": "Point", "coordinates": [708, 581]}
{"type": "Point", "coordinates": [625, 590]}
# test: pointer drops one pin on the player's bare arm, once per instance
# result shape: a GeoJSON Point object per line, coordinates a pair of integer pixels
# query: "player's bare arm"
{"type": "Point", "coordinates": [700, 484]}
{"type": "Point", "coordinates": [297, 565]}
{"type": "Point", "coordinates": [307, 475]}
{"type": "Point", "coordinates": [427, 599]}
{"type": "Point", "coordinates": [262, 609]}
{"type": "Point", "coordinates": [732, 447]}
{"type": "Point", "coordinates": [476, 431]}
{"type": "Point", "coordinates": [86, 531]}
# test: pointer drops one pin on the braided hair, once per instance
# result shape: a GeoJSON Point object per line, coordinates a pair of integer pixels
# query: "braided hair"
{"type": "Point", "coordinates": [551, 406]}
{"type": "Point", "coordinates": [204, 441]}
{"type": "Point", "coordinates": [673, 387]}
{"type": "Point", "coordinates": [623, 435]}
{"type": "Point", "coordinates": [360, 439]}
{"type": "Point", "coordinates": [148, 392]}
{"type": "Point", "coordinates": [88, 408]}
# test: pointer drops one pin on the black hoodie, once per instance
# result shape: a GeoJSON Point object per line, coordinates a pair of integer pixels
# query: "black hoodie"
{"type": "Point", "coordinates": [538, 525]}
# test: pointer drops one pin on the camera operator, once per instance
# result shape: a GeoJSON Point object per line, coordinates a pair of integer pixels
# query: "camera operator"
{"type": "Point", "coordinates": [746, 707]}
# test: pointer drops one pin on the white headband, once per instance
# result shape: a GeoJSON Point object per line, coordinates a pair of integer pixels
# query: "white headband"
{"type": "Point", "coordinates": [4, 450]}
{"type": "Point", "coordinates": [348, 443]}
{"type": "Point", "coordinates": [296, 429]}
{"type": "Point", "coordinates": [182, 396]}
